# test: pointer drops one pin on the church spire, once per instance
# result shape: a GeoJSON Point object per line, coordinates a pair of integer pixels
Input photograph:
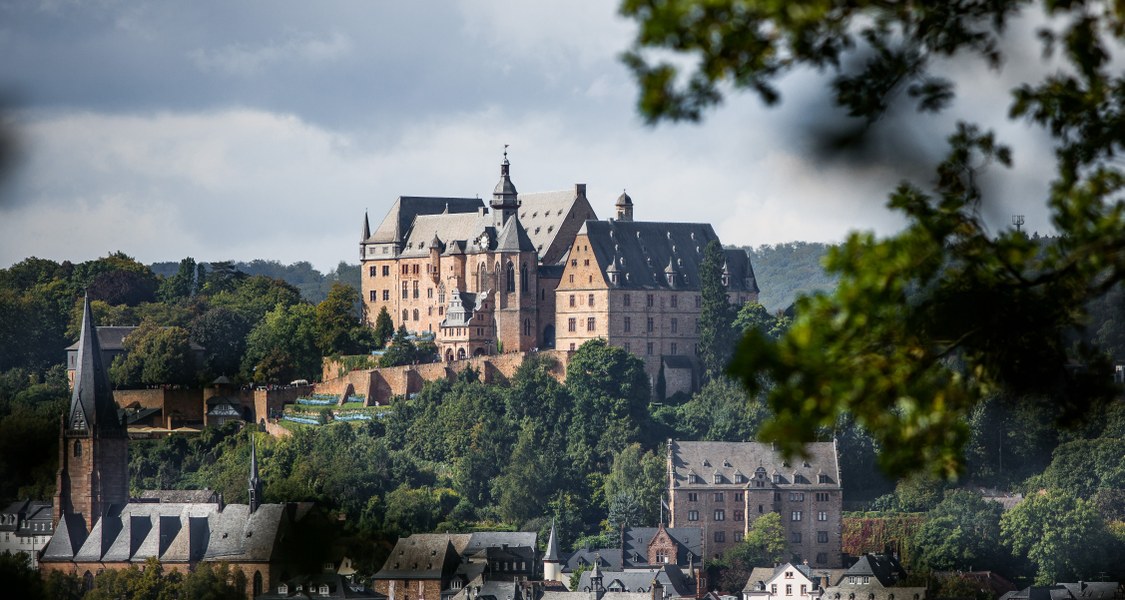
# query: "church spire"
{"type": "Point", "coordinates": [255, 491]}
{"type": "Point", "coordinates": [366, 227]}
{"type": "Point", "coordinates": [92, 408]}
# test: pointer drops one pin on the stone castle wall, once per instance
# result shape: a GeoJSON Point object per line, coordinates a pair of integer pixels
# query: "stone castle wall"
{"type": "Point", "coordinates": [380, 385]}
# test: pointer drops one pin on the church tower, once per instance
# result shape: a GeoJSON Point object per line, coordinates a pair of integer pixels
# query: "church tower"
{"type": "Point", "coordinates": [504, 198]}
{"type": "Point", "coordinates": [93, 443]}
{"type": "Point", "coordinates": [624, 206]}
{"type": "Point", "coordinates": [552, 570]}
{"type": "Point", "coordinates": [255, 495]}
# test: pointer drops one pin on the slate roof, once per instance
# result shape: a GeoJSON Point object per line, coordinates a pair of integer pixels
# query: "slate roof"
{"type": "Point", "coordinates": [705, 459]}
{"type": "Point", "coordinates": [69, 536]}
{"type": "Point", "coordinates": [406, 208]}
{"type": "Point", "coordinates": [338, 587]}
{"type": "Point", "coordinates": [498, 539]}
{"type": "Point", "coordinates": [91, 402]}
{"type": "Point", "coordinates": [171, 532]}
{"type": "Point", "coordinates": [420, 556]}
{"type": "Point", "coordinates": [761, 576]}
{"type": "Point", "coordinates": [448, 228]}
{"type": "Point", "coordinates": [642, 252]}
{"type": "Point", "coordinates": [1091, 590]}
{"type": "Point", "coordinates": [552, 553]}
{"type": "Point", "coordinates": [640, 580]}
{"type": "Point", "coordinates": [20, 517]}
{"type": "Point", "coordinates": [636, 540]}
{"type": "Point", "coordinates": [609, 558]}
{"type": "Point", "coordinates": [543, 214]}
{"type": "Point", "coordinates": [882, 567]}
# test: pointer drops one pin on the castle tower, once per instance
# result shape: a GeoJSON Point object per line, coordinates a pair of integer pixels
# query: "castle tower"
{"type": "Point", "coordinates": [255, 488]}
{"type": "Point", "coordinates": [624, 206]}
{"type": "Point", "coordinates": [552, 570]}
{"type": "Point", "coordinates": [93, 443]}
{"type": "Point", "coordinates": [504, 198]}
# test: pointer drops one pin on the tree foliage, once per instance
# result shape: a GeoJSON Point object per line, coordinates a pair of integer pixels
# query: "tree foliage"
{"type": "Point", "coordinates": [282, 347]}
{"type": "Point", "coordinates": [716, 315]}
{"type": "Point", "coordinates": [961, 533]}
{"type": "Point", "coordinates": [926, 322]}
{"type": "Point", "coordinates": [154, 355]}
{"type": "Point", "coordinates": [1064, 536]}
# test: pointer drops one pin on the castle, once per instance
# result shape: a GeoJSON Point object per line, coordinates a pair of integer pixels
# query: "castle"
{"type": "Point", "coordinates": [541, 271]}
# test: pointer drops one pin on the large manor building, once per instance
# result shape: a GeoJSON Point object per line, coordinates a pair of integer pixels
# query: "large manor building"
{"type": "Point", "coordinates": [541, 271]}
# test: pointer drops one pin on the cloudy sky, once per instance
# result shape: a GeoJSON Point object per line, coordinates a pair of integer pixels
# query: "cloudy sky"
{"type": "Point", "coordinates": [265, 129]}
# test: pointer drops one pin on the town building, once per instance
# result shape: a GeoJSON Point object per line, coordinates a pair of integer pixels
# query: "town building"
{"type": "Point", "coordinates": [540, 271]}
{"type": "Point", "coordinates": [723, 487]}
{"type": "Point", "coordinates": [786, 581]}
{"type": "Point", "coordinates": [874, 577]}
{"type": "Point", "coordinates": [645, 548]}
{"type": "Point", "coordinates": [636, 284]}
{"type": "Point", "coordinates": [98, 527]}
{"type": "Point", "coordinates": [435, 566]}
{"type": "Point", "coordinates": [26, 527]}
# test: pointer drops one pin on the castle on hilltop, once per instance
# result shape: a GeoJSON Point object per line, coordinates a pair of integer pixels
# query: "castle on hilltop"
{"type": "Point", "coordinates": [541, 271]}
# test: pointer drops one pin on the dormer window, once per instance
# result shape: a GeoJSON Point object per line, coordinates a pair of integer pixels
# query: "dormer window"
{"type": "Point", "coordinates": [822, 478]}
{"type": "Point", "coordinates": [282, 589]}
{"type": "Point", "coordinates": [717, 478]}
{"type": "Point", "coordinates": [692, 478]}
{"type": "Point", "coordinates": [323, 589]}
{"type": "Point", "coordinates": [777, 477]}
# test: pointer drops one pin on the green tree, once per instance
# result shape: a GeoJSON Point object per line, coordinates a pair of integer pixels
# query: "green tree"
{"type": "Point", "coordinates": [384, 328]}
{"type": "Point", "coordinates": [401, 350]}
{"type": "Point", "coordinates": [1061, 534]}
{"type": "Point", "coordinates": [180, 285]}
{"type": "Point", "coordinates": [20, 580]}
{"type": "Point", "coordinates": [340, 327]}
{"type": "Point", "coordinates": [755, 316]}
{"type": "Point", "coordinates": [611, 392]}
{"type": "Point", "coordinates": [961, 533]}
{"type": "Point", "coordinates": [716, 314]}
{"type": "Point", "coordinates": [763, 546]}
{"type": "Point", "coordinates": [721, 411]}
{"type": "Point", "coordinates": [634, 486]}
{"type": "Point", "coordinates": [153, 356]}
{"type": "Point", "coordinates": [928, 321]}
{"type": "Point", "coordinates": [283, 346]}
{"type": "Point", "coordinates": [222, 333]}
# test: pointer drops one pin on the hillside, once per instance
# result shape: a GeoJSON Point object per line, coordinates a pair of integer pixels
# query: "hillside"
{"type": "Point", "coordinates": [312, 284]}
{"type": "Point", "coordinates": [786, 270]}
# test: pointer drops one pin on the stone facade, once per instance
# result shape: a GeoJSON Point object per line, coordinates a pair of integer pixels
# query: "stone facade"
{"type": "Point", "coordinates": [724, 486]}
{"type": "Point", "coordinates": [636, 285]}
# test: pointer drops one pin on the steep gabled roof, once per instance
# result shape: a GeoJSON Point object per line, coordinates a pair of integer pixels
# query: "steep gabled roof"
{"type": "Point", "coordinates": [727, 458]}
{"type": "Point", "coordinates": [91, 403]}
{"type": "Point", "coordinates": [643, 252]}
{"type": "Point", "coordinates": [67, 539]}
{"type": "Point", "coordinates": [396, 224]}
{"type": "Point", "coordinates": [513, 238]}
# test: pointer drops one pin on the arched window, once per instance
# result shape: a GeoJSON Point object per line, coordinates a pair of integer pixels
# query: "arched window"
{"type": "Point", "coordinates": [523, 278]}
{"type": "Point", "coordinates": [527, 327]}
{"type": "Point", "coordinates": [257, 583]}
{"type": "Point", "coordinates": [405, 315]}
{"type": "Point", "coordinates": [77, 448]}
{"type": "Point", "coordinates": [510, 277]}
{"type": "Point", "coordinates": [482, 279]}
{"type": "Point", "coordinates": [415, 314]}
{"type": "Point", "coordinates": [88, 580]}
{"type": "Point", "coordinates": [460, 354]}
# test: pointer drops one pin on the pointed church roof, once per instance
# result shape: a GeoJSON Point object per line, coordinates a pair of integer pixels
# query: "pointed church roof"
{"type": "Point", "coordinates": [255, 499]}
{"type": "Point", "coordinates": [366, 227]}
{"type": "Point", "coordinates": [513, 238]}
{"type": "Point", "coordinates": [91, 403]}
{"type": "Point", "coordinates": [67, 539]}
{"type": "Point", "coordinates": [552, 554]}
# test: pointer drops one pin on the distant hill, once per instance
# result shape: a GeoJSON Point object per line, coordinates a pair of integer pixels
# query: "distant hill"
{"type": "Point", "coordinates": [786, 270]}
{"type": "Point", "coordinates": [313, 284]}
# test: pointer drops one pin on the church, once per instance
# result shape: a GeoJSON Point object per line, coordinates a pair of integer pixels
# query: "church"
{"type": "Point", "coordinates": [541, 271]}
{"type": "Point", "coordinates": [98, 526]}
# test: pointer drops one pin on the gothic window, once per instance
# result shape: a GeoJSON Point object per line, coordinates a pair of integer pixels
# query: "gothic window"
{"type": "Point", "coordinates": [405, 290]}
{"type": "Point", "coordinates": [510, 277]}
{"type": "Point", "coordinates": [523, 278]}
{"type": "Point", "coordinates": [527, 327]}
{"type": "Point", "coordinates": [257, 583]}
{"type": "Point", "coordinates": [628, 323]}
{"type": "Point", "coordinates": [77, 448]}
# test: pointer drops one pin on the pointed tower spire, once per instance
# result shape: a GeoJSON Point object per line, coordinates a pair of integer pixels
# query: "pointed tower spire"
{"type": "Point", "coordinates": [93, 470]}
{"type": "Point", "coordinates": [552, 570]}
{"type": "Point", "coordinates": [504, 197]}
{"type": "Point", "coordinates": [91, 403]}
{"type": "Point", "coordinates": [255, 495]}
{"type": "Point", "coordinates": [366, 227]}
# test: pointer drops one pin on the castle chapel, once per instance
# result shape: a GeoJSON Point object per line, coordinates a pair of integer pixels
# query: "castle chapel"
{"type": "Point", "coordinates": [539, 271]}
